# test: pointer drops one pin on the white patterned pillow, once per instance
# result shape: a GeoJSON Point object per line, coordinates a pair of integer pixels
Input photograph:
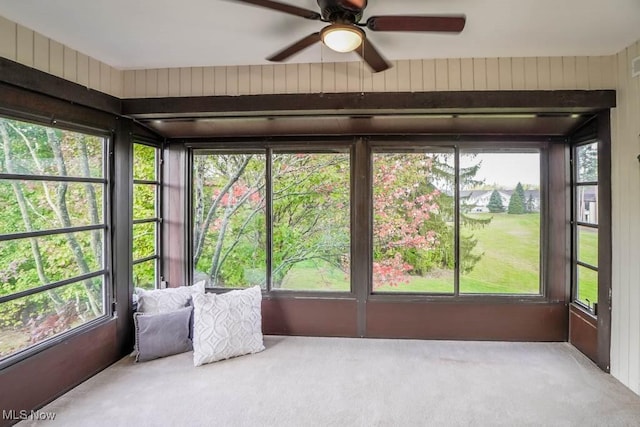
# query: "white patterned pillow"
{"type": "Point", "coordinates": [227, 325]}
{"type": "Point", "coordinates": [165, 300]}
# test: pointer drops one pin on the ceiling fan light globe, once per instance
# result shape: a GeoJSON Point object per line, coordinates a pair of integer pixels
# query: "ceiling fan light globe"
{"type": "Point", "coordinates": [342, 38]}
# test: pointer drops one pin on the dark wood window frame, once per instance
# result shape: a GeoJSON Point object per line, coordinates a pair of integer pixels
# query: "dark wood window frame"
{"type": "Point", "coordinates": [157, 218]}
{"type": "Point", "coordinates": [359, 234]}
{"type": "Point", "coordinates": [267, 149]}
{"type": "Point", "coordinates": [589, 332]}
{"type": "Point", "coordinates": [105, 272]}
{"type": "Point", "coordinates": [575, 224]}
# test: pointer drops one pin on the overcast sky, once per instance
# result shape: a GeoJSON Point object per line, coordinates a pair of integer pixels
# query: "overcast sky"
{"type": "Point", "coordinates": [506, 169]}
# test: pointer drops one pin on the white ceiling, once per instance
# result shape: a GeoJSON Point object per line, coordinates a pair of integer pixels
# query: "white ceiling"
{"type": "Point", "coordinates": [132, 34]}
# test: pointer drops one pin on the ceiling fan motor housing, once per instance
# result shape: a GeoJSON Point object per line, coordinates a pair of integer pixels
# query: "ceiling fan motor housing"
{"type": "Point", "coordinates": [341, 11]}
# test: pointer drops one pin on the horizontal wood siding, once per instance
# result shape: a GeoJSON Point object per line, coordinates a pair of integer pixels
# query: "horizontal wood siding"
{"type": "Point", "coordinates": [309, 317]}
{"type": "Point", "coordinates": [32, 49]}
{"type": "Point", "coordinates": [583, 332]}
{"type": "Point", "coordinates": [625, 170]}
{"type": "Point", "coordinates": [467, 321]}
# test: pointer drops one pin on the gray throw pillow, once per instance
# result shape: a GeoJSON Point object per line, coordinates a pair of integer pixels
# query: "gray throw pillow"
{"type": "Point", "coordinates": [163, 334]}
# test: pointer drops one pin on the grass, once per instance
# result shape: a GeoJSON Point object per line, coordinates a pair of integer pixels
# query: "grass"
{"type": "Point", "coordinates": [315, 275]}
{"type": "Point", "coordinates": [510, 248]}
{"type": "Point", "coordinates": [510, 264]}
{"type": "Point", "coordinates": [588, 253]}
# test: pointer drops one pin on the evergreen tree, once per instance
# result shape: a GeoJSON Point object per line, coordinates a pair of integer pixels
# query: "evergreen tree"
{"type": "Point", "coordinates": [517, 201]}
{"type": "Point", "coordinates": [495, 203]}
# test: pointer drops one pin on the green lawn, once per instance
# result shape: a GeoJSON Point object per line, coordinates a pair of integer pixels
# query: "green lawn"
{"type": "Point", "coordinates": [510, 248]}
{"type": "Point", "coordinates": [510, 264]}
{"type": "Point", "coordinates": [588, 253]}
{"type": "Point", "coordinates": [315, 276]}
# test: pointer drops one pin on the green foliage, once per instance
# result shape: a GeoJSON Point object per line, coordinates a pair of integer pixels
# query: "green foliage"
{"type": "Point", "coordinates": [517, 201]}
{"type": "Point", "coordinates": [495, 203]}
{"type": "Point", "coordinates": [587, 162]}
{"type": "Point", "coordinates": [42, 205]}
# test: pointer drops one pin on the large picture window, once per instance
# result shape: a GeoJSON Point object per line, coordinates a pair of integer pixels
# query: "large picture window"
{"type": "Point", "coordinates": [289, 232]}
{"type": "Point", "coordinates": [496, 217]}
{"type": "Point", "coordinates": [445, 220]}
{"type": "Point", "coordinates": [146, 216]}
{"type": "Point", "coordinates": [53, 232]}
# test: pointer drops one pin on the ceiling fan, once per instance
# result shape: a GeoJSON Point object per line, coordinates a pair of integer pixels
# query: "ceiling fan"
{"type": "Point", "coordinates": [343, 34]}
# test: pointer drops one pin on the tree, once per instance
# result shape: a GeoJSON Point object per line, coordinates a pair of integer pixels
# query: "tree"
{"type": "Point", "coordinates": [495, 202]}
{"type": "Point", "coordinates": [310, 215]}
{"type": "Point", "coordinates": [33, 205]}
{"type": "Point", "coordinates": [587, 162]}
{"type": "Point", "coordinates": [517, 201]}
{"type": "Point", "coordinates": [414, 216]}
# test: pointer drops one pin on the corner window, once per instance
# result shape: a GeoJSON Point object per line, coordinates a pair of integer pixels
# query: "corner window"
{"type": "Point", "coordinates": [585, 225]}
{"type": "Point", "coordinates": [146, 216]}
{"type": "Point", "coordinates": [53, 232]}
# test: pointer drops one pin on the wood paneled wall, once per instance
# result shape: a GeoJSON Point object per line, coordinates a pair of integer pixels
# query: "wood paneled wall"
{"type": "Point", "coordinates": [596, 72]}
{"type": "Point", "coordinates": [625, 171]}
{"type": "Point", "coordinates": [30, 48]}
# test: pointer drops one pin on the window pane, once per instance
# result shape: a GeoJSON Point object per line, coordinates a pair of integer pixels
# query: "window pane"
{"type": "Point", "coordinates": [229, 220]}
{"type": "Point", "coordinates": [587, 162]}
{"type": "Point", "coordinates": [144, 162]}
{"type": "Point", "coordinates": [28, 263]}
{"type": "Point", "coordinates": [144, 201]}
{"type": "Point", "coordinates": [587, 286]}
{"type": "Point", "coordinates": [144, 274]}
{"type": "Point", "coordinates": [29, 320]}
{"type": "Point", "coordinates": [500, 223]}
{"type": "Point", "coordinates": [588, 245]}
{"type": "Point", "coordinates": [311, 222]}
{"type": "Point", "coordinates": [144, 240]}
{"type": "Point", "coordinates": [587, 204]}
{"type": "Point", "coordinates": [38, 150]}
{"type": "Point", "coordinates": [40, 205]}
{"type": "Point", "coordinates": [413, 222]}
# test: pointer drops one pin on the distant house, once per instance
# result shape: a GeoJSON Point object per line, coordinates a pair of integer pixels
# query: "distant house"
{"type": "Point", "coordinates": [478, 200]}
{"type": "Point", "coordinates": [587, 204]}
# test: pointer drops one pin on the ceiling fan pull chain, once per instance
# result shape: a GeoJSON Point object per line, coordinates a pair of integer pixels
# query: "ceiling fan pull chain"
{"type": "Point", "coordinates": [321, 68]}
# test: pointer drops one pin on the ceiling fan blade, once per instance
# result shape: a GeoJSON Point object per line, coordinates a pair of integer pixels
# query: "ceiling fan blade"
{"type": "Point", "coordinates": [295, 48]}
{"type": "Point", "coordinates": [372, 57]}
{"type": "Point", "coordinates": [282, 7]}
{"type": "Point", "coordinates": [449, 24]}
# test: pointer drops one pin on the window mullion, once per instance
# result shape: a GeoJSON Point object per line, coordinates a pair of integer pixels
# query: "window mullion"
{"type": "Point", "coordinates": [269, 215]}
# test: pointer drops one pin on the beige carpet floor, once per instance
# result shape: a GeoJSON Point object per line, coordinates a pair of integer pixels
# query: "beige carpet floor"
{"type": "Point", "coordinates": [300, 381]}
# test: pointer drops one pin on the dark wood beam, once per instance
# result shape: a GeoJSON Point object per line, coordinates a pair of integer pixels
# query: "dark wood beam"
{"type": "Point", "coordinates": [376, 103]}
